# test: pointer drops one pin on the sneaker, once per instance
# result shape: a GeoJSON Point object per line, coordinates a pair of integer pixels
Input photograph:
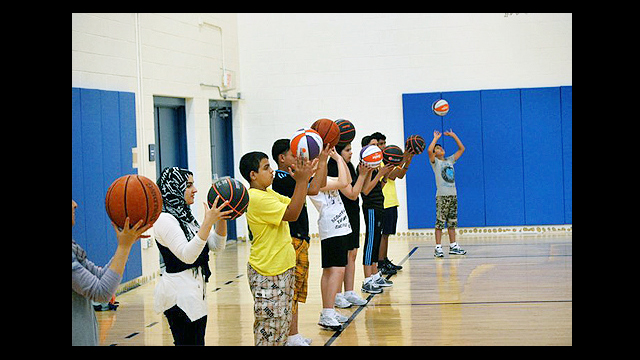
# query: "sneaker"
{"type": "Point", "coordinates": [392, 265]}
{"type": "Point", "coordinates": [329, 322]}
{"type": "Point", "coordinates": [382, 282]}
{"type": "Point", "coordinates": [296, 340]}
{"type": "Point", "coordinates": [439, 253]}
{"type": "Point", "coordinates": [370, 287]}
{"type": "Point", "coordinates": [457, 250]}
{"type": "Point", "coordinates": [354, 299]}
{"type": "Point", "coordinates": [386, 268]}
{"type": "Point", "coordinates": [341, 302]}
{"type": "Point", "coordinates": [341, 318]}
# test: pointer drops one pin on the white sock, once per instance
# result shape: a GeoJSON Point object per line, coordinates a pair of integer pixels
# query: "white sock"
{"type": "Point", "coordinates": [375, 276]}
{"type": "Point", "coordinates": [438, 246]}
{"type": "Point", "coordinates": [327, 311]}
{"type": "Point", "coordinates": [350, 292]}
{"type": "Point", "coordinates": [367, 280]}
{"type": "Point", "coordinates": [453, 244]}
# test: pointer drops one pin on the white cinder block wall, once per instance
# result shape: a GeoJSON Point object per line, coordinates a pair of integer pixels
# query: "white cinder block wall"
{"type": "Point", "coordinates": [295, 68]}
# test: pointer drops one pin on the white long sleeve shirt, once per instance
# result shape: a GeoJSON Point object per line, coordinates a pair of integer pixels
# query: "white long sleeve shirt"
{"type": "Point", "coordinates": [187, 288]}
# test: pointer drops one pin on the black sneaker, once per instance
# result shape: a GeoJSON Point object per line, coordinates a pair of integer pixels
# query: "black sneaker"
{"type": "Point", "coordinates": [385, 267]}
{"type": "Point", "coordinates": [392, 265]}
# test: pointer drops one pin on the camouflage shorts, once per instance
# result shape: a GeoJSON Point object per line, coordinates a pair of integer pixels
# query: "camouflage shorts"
{"type": "Point", "coordinates": [446, 211]}
{"type": "Point", "coordinates": [272, 296]}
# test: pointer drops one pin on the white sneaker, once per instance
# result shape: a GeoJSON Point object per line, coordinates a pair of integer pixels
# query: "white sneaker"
{"type": "Point", "coordinates": [297, 340]}
{"type": "Point", "coordinates": [354, 299]}
{"type": "Point", "coordinates": [341, 301]}
{"type": "Point", "coordinates": [329, 322]}
{"type": "Point", "coordinates": [341, 318]}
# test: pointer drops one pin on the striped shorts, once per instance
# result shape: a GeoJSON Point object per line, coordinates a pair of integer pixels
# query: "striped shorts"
{"type": "Point", "coordinates": [272, 301]}
{"type": "Point", "coordinates": [373, 224]}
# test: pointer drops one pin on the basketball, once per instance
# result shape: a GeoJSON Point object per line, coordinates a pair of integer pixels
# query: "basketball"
{"type": "Point", "coordinates": [306, 143]}
{"type": "Point", "coordinates": [392, 154]}
{"type": "Point", "coordinates": [440, 107]}
{"type": "Point", "coordinates": [371, 155]}
{"type": "Point", "coordinates": [133, 196]}
{"type": "Point", "coordinates": [232, 190]}
{"type": "Point", "coordinates": [328, 130]}
{"type": "Point", "coordinates": [347, 131]}
{"type": "Point", "coordinates": [415, 144]}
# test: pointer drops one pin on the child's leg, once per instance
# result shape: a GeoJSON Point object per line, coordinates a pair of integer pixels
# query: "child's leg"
{"type": "Point", "coordinates": [350, 270]}
{"type": "Point", "coordinates": [330, 284]}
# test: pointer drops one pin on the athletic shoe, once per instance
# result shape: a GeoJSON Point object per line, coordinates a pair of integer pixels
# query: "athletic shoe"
{"type": "Point", "coordinates": [329, 322]}
{"type": "Point", "coordinates": [382, 282]}
{"type": "Point", "coordinates": [370, 287]}
{"type": "Point", "coordinates": [439, 253]}
{"type": "Point", "coordinates": [341, 318]}
{"type": "Point", "coordinates": [296, 340]}
{"type": "Point", "coordinates": [341, 302]}
{"type": "Point", "coordinates": [392, 265]}
{"type": "Point", "coordinates": [386, 268]}
{"type": "Point", "coordinates": [354, 299]}
{"type": "Point", "coordinates": [457, 250]}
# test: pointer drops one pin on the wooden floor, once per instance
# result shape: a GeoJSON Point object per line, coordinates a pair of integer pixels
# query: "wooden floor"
{"type": "Point", "coordinates": [507, 290]}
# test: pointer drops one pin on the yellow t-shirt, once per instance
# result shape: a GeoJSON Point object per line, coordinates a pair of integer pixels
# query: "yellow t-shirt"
{"type": "Point", "coordinates": [271, 249]}
{"type": "Point", "coordinates": [390, 196]}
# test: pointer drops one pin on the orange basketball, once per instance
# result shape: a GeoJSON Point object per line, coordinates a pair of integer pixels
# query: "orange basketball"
{"type": "Point", "coordinates": [328, 130]}
{"type": "Point", "coordinates": [134, 196]}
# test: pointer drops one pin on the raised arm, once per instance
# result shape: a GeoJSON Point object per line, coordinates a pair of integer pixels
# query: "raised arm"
{"type": "Point", "coordinates": [460, 146]}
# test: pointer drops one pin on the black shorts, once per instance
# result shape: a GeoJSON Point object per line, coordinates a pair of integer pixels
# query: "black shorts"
{"type": "Point", "coordinates": [334, 251]}
{"type": "Point", "coordinates": [353, 239]}
{"type": "Point", "coordinates": [373, 223]}
{"type": "Point", "coordinates": [389, 220]}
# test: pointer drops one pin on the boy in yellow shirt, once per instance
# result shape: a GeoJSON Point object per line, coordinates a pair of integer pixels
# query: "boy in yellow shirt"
{"type": "Point", "coordinates": [272, 260]}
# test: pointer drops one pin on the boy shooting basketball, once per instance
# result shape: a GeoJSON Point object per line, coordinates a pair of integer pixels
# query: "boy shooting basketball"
{"type": "Point", "coordinates": [446, 194]}
{"type": "Point", "coordinates": [272, 261]}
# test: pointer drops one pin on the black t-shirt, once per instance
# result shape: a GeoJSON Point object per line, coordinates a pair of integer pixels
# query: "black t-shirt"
{"type": "Point", "coordinates": [375, 199]}
{"type": "Point", "coordinates": [285, 185]}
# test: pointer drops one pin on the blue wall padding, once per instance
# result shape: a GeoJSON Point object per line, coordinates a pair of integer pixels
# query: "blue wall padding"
{"type": "Point", "coordinates": [516, 169]}
{"type": "Point", "coordinates": [542, 155]}
{"type": "Point", "coordinates": [502, 149]}
{"type": "Point", "coordinates": [103, 131]}
{"type": "Point", "coordinates": [567, 117]}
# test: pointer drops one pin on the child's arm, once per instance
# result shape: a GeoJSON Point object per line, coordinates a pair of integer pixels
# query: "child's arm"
{"type": "Point", "coordinates": [320, 179]}
{"type": "Point", "coordinates": [366, 189]}
{"type": "Point", "coordinates": [302, 174]}
{"type": "Point", "coordinates": [436, 136]}
{"type": "Point", "coordinates": [401, 170]}
{"type": "Point", "coordinates": [352, 192]}
{"type": "Point", "coordinates": [460, 146]}
{"type": "Point", "coordinates": [343, 171]}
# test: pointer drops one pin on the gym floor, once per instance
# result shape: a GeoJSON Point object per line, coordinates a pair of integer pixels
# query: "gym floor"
{"type": "Point", "coordinates": [507, 290]}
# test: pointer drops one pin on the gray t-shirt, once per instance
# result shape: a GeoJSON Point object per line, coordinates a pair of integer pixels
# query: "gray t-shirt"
{"type": "Point", "coordinates": [445, 176]}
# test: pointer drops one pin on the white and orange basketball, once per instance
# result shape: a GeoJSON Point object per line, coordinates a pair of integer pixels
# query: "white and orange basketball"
{"type": "Point", "coordinates": [440, 107]}
{"type": "Point", "coordinates": [371, 155]}
{"type": "Point", "coordinates": [306, 143]}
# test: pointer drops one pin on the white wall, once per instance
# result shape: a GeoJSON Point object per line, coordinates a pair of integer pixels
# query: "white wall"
{"type": "Point", "coordinates": [297, 68]}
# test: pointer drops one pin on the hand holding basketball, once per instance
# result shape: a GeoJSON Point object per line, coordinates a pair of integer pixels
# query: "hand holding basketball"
{"type": "Point", "coordinates": [129, 235]}
{"type": "Point", "coordinates": [303, 169]}
{"type": "Point", "coordinates": [214, 214]}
